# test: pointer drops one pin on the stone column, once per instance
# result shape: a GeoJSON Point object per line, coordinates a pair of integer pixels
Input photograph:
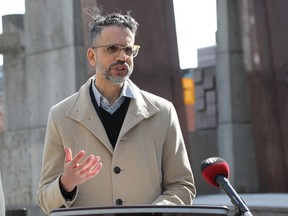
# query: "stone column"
{"type": "Point", "coordinates": [266, 63]}
{"type": "Point", "coordinates": [234, 127]}
{"type": "Point", "coordinates": [44, 62]}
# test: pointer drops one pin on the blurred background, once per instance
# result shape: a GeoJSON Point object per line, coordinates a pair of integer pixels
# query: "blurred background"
{"type": "Point", "coordinates": [222, 63]}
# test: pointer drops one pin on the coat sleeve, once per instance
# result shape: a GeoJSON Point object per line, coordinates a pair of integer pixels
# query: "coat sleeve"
{"type": "Point", "coordinates": [49, 193]}
{"type": "Point", "coordinates": [178, 182]}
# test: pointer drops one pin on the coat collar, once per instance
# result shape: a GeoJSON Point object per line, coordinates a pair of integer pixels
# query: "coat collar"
{"type": "Point", "coordinates": [83, 111]}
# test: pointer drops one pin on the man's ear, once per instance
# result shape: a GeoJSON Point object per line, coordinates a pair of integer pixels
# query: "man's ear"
{"type": "Point", "coordinates": [91, 56]}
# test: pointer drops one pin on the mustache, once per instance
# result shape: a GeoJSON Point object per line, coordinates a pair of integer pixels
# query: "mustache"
{"type": "Point", "coordinates": [119, 63]}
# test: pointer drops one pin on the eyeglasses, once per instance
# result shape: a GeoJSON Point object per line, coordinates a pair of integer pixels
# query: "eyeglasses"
{"type": "Point", "coordinates": [114, 50]}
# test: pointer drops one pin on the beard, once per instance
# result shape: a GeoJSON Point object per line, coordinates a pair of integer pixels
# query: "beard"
{"type": "Point", "coordinates": [106, 72]}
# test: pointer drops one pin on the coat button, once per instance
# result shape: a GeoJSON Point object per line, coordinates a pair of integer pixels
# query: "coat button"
{"type": "Point", "coordinates": [117, 170]}
{"type": "Point", "coordinates": [119, 202]}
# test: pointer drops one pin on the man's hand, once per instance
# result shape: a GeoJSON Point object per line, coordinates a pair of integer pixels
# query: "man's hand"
{"type": "Point", "coordinates": [76, 173]}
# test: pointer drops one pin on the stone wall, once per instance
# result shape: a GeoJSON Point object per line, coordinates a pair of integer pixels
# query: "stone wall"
{"type": "Point", "coordinates": [44, 62]}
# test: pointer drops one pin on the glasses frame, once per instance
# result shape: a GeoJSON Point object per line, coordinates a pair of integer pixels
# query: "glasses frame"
{"type": "Point", "coordinates": [134, 48]}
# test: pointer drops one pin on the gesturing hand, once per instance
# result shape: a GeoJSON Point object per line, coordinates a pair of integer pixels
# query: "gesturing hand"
{"type": "Point", "coordinates": [76, 173]}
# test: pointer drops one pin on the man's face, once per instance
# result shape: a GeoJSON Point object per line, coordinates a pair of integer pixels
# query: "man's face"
{"type": "Point", "coordinates": [112, 57]}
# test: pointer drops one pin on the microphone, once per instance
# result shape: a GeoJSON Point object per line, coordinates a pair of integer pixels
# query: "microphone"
{"type": "Point", "coordinates": [215, 171]}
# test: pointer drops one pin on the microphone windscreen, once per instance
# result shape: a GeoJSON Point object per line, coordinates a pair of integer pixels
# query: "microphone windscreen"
{"type": "Point", "coordinates": [212, 167]}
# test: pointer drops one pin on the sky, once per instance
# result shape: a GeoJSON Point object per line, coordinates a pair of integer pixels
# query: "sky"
{"type": "Point", "coordinates": [196, 26]}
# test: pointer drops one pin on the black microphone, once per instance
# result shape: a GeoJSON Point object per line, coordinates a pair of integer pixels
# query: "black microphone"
{"type": "Point", "coordinates": [215, 171]}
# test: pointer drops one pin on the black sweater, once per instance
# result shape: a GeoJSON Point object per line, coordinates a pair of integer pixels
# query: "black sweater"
{"type": "Point", "coordinates": [111, 122]}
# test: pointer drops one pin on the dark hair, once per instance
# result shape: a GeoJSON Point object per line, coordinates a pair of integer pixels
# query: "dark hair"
{"type": "Point", "coordinates": [100, 21]}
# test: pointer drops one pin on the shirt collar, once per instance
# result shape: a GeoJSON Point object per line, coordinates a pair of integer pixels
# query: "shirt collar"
{"type": "Point", "coordinates": [127, 91]}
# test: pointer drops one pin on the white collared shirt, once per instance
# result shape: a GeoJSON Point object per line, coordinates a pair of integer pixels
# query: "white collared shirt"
{"type": "Point", "coordinates": [127, 91]}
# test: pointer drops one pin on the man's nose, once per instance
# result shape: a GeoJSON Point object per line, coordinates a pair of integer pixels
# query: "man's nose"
{"type": "Point", "coordinates": [122, 56]}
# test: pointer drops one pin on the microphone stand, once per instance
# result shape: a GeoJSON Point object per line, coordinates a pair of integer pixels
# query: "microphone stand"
{"type": "Point", "coordinates": [240, 207]}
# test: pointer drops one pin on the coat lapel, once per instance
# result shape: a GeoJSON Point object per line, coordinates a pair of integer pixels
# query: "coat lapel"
{"type": "Point", "coordinates": [139, 109]}
{"type": "Point", "coordinates": [83, 111]}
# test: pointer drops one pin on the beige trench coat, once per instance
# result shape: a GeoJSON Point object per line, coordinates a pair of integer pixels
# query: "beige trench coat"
{"type": "Point", "coordinates": [150, 153]}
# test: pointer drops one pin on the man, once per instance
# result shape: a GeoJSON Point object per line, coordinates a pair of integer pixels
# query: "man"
{"type": "Point", "coordinates": [136, 134]}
